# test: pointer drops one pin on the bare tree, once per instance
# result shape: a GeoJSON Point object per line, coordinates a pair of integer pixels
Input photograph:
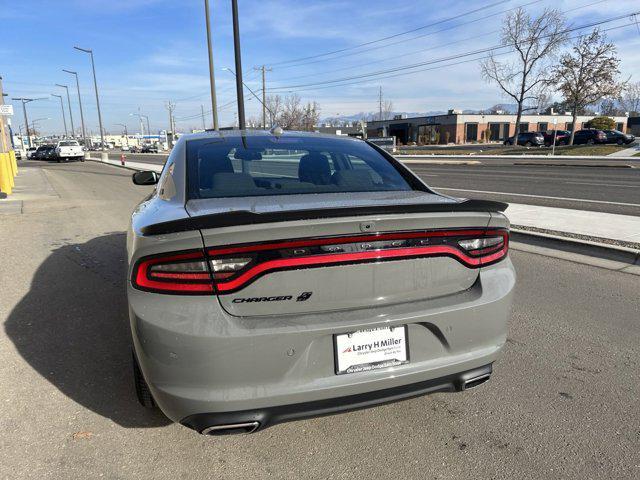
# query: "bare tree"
{"type": "Point", "coordinates": [387, 110]}
{"type": "Point", "coordinates": [296, 116]}
{"type": "Point", "coordinates": [610, 107]}
{"type": "Point", "coordinates": [534, 41]}
{"type": "Point", "coordinates": [274, 107]}
{"type": "Point", "coordinates": [292, 113]}
{"type": "Point", "coordinates": [311, 115]}
{"type": "Point", "coordinates": [630, 98]}
{"type": "Point", "coordinates": [587, 74]}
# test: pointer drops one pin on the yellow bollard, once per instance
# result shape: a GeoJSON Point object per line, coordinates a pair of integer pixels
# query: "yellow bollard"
{"type": "Point", "coordinates": [10, 164]}
{"type": "Point", "coordinates": [7, 161]}
{"type": "Point", "coordinates": [5, 175]}
{"type": "Point", "coordinates": [14, 163]}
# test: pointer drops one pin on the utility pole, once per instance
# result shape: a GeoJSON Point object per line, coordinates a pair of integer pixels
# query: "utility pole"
{"type": "Point", "coordinates": [236, 48]}
{"type": "Point", "coordinates": [170, 106]}
{"type": "Point", "coordinates": [64, 120]}
{"type": "Point", "coordinates": [73, 130]}
{"type": "Point", "coordinates": [84, 134]}
{"type": "Point", "coordinates": [141, 124]}
{"type": "Point", "coordinates": [95, 85]}
{"type": "Point", "coordinates": [263, 69]}
{"type": "Point", "coordinates": [126, 133]}
{"type": "Point", "coordinates": [212, 79]}
{"type": "Point", "coordinates": [380, 103]}
{"type": "Point", "coordinates": [204, 127]}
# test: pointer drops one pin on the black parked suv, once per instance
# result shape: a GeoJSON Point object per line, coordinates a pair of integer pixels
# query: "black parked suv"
{"type": "Point", "coordinates": [528, 139]}
{"type": "Point", "coordinates": [149, 148]}
{"type": "Point", "coordinates": [45, 152]}
{"type": "Point", "coordinates": [616, 136]}
{"type": "Point", "coordinates": [589, 137]}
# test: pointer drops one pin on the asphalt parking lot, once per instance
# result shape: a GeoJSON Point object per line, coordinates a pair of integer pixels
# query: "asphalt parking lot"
{"type": "Point", "coordinates": [563, 402]}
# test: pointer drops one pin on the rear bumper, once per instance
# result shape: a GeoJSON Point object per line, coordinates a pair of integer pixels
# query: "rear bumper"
{"type": "Point", "coordinates": [269, 416]}
{"type": "Point", "coordinates": [204, 365]}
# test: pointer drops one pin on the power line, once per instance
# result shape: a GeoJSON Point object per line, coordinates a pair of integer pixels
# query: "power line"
{"type": "Point", "coordinates": [442, 59]}
{"type": "Point", "coordinates": [433, 47]}
{"type": "Point", "coordinates": [370, 42]}
{"type": "Point", "coordinates": [452, 27]}
{"type": "Point", "coordinates": [359, 82]}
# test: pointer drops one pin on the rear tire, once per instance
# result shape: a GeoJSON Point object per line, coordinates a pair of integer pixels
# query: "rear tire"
{"type": "Point", "coordinates": [58, 160]}
{"type": "Point", "coordinates": [527, 144]}
{"type": "Point", "coordinates": [142, 389]}
{"type": "Point", "coordinates": [590, 141]}
{"type": "Point", "coordinates": [619, 142]}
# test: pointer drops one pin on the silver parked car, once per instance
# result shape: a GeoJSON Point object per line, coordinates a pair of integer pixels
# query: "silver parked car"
{"type": "Point", "coordinates": [274, 277]}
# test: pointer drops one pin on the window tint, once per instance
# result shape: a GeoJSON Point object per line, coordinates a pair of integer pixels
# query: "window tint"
{"type": "Point", "coordinates": [69, 144]}
{"type": "Point", "coordinates": [229, 167]}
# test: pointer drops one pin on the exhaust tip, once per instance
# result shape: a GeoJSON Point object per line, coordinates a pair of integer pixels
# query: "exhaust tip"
{"type": "Point", "coordinates": [231, 429]}
{"type": "Point", "coordinates": [475, 381]}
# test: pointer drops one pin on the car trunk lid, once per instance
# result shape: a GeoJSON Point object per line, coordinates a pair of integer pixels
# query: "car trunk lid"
{"type": "Point", "coordinates": [360, 250]}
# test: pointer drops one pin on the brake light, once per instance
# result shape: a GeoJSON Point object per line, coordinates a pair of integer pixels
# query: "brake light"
{"type": "Point", "coordinates": [473, 248]}
{"type": "Point", "coordinates": [184, 273]}
{"type": "Point", "coordinates": [230, 268]}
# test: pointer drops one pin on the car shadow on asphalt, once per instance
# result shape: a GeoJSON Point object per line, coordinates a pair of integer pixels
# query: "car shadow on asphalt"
{"type": "Point", "coordinates": [73, 329]}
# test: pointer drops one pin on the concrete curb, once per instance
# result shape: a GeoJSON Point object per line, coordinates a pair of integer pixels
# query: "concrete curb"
{"type": "Point", "coordinates": [611, 257]}
{"type": "Point", "coordinates": [133, 166]}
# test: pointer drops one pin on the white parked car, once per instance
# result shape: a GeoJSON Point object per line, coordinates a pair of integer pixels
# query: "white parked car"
{"type": "Point", "coordinates": [31, 151]}
{"type": "Point", "coordinates": [69, 150]}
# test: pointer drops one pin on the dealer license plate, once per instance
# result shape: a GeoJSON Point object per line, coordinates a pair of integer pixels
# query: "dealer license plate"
{"type": "Point", "coordinates": [365, 350]}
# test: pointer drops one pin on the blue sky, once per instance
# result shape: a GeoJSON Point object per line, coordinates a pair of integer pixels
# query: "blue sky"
{"type": "Point", "coordinates": [151, 51]}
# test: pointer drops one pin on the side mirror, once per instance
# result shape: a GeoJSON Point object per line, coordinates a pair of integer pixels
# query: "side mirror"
{"type": "Point", "coordinates": [146, 177]}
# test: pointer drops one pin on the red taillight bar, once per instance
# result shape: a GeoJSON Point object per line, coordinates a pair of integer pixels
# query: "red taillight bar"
{"type": "Point", "coordinates": [268, 258]}
{"type": "Point", "coordinates": [171, 282]}
{"type": "Point", "coordinates": [337, 240]}
{"type": "Point", "coordinates": [258, 268]}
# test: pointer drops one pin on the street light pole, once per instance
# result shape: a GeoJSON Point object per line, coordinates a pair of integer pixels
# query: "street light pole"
{"type": "Point", "coordinates": [84, 134]}
{"type": "Point", "coordinates": [26, 119]}
{"type": "Point", "coordinates": [95, 86]}
{"type": "Point", "coordinates": [64, 119]}
{"type": "Point", "coordinates": [236, 47]}
{"type": "Point", "coordinates": [126, 133]}
{"type": "Point", "coordinates": [73, 130]}
{"type": "Point", "coordinates": [212, 80]}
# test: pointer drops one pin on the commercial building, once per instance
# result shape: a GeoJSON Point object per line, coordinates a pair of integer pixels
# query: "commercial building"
{"type": "Point", "coordinates": [458, 127]}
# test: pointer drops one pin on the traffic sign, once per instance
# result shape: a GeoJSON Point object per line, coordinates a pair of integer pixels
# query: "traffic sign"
{"type": "Point", "coordinates": [6, 110]}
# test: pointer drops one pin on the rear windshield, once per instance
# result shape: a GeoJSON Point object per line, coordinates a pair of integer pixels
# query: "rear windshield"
{"type": "Point", "coordinates": [231, 167]}
{"type": "Point", "coordinates": [68, 144]}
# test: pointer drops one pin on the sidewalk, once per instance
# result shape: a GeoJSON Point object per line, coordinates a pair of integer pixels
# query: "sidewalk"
{"type": "Point", "coordinates": [627, 152]}
{"type": "Point", "coordinates": [623, 228]}
{"type": "Point", "coordinates": [31, 184]}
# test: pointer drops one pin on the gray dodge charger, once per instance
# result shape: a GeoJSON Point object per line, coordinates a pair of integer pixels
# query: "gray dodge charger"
{"type": "Point", "coordinates": [278, 275]}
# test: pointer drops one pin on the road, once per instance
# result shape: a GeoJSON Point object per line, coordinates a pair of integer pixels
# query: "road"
{"type": "Point", "coordinates": [563, 402]}
{"type": "Point", "coordinates": [565, 184]}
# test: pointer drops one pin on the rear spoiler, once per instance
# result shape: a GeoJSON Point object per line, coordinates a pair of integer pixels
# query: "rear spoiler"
{"type": "Point", "coordinates": [245, 217]}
